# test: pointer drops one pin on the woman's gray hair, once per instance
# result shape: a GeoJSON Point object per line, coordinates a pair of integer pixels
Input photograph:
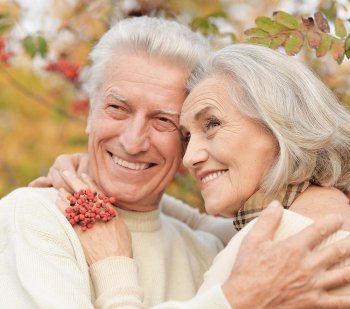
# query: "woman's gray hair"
{"type": "Point", "coordinates": [311, 127]}
{"type": "Point", "coordinates": [151, 36]}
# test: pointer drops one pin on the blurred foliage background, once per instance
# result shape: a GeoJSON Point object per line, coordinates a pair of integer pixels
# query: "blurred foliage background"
{"type": "Point", "coordinates": [44, 46]}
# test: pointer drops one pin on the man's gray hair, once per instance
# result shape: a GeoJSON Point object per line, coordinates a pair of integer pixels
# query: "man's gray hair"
{"type": "Point", "coordinates": [311, 127]}
{"type": "Point", "coordinates": [149, 36]}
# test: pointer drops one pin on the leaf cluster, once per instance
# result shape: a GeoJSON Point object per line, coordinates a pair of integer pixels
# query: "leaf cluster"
{"type": "Point", "coordinates": [285, 30]}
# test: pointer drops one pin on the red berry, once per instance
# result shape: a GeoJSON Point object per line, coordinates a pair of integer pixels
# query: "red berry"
{"type": "Point", "coordinates": [112, 199]}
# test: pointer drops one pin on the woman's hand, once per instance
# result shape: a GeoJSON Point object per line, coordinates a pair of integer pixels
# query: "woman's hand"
{"type": "Point", "coordinates": [105, 239]}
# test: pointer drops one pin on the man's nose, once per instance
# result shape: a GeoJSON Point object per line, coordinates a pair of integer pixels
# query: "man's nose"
{"type": "Point", "coordinates": [135, 136]}
{"type": "Point", "coordinates": [195, 154]}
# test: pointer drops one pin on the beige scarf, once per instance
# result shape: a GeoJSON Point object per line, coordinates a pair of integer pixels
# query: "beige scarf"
{"type": "Point", "coordinates": [258, 202]}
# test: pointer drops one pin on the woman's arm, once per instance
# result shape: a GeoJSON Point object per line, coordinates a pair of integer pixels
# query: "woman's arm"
{"type": "Point", "coordinates": [221, 227]}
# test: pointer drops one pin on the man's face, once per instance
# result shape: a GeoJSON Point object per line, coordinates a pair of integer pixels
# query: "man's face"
{"type": "Point", "coordinates": [134, 145]}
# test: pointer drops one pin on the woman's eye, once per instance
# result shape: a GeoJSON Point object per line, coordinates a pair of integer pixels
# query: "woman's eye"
{"type": "Point", "coordinates": [212, 123]}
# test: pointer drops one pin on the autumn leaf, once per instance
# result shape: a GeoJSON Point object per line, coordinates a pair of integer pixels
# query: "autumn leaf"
{"type": "Point", "coordinates": [337, 50]}
{"type": "Point", "coordinates": [277, 41]}
{"type": "Point", "coordinates": [268, 25]}
{"type": "Point", "coordinates": [294, 43]}
{"type": "Point", "coordinates": [313, 39]}
{"type": "Point", "coordinates": [347, 46]}
{"type": "Point", "coordinates": [261, 41]}
{"type": "Point", "coordinates": [286, 19]}
{"type": "Point", "coordinates": [308, 22]}
{"type": "Point", "coordinates": [257, 32]}
{"type": "Point", "coordinates": [340, 29]}
{"type": "Point", "coordinates": [325, 45]}
{"type": "Point", "coordinates": [321, 22]}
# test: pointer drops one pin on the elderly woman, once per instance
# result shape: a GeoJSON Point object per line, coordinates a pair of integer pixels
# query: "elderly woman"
{"type": "Point", "coordinates": [260, 126]}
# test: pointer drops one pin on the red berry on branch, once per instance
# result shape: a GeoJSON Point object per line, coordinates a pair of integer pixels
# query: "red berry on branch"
{"type": "Point", "coordinates": [112, 199]}
{"type": "Point", "coordinates": [2, 43]}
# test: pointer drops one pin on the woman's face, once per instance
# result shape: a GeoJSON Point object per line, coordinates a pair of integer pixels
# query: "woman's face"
{"type": "Point", "coordinates": [227, 152]}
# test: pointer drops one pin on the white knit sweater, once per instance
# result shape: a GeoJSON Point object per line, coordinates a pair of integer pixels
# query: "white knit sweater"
{"type": "Point", "coordinates": [42, 263]}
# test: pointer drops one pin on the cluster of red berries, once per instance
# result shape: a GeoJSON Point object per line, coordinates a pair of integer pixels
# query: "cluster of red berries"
{"type": "Point", "coordinates": [69, 69]}
{"type": "Point", "coordinates": [80, 106]}
{"type": "Point", "coordinates": [4, 56]}
{"type": "Point", "coordinates": [87, 207]}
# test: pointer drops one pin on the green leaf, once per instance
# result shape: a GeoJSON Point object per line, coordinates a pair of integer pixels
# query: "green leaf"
{"type": "Point", "coordinates": [294, 43]}
{"type": "Point", "coordinates": [340, 29]}
{"type": "Point", "coordinates": [5, 22]}
{"type": "Point", "coordinates": [313, 39]}
{"type": "Point", "coordinates": [42, 46]}
{"type": "Point", "coordinates": [268, 25]}
{"type": "Point", "coordinates": [218, 14]}
{"type": "Point", "coordinates": [337, 50]}
{"type": "Point", "coordinates": [260, 41]}
{"type": "Point", "coordinates": [325, 45]}
{"type": "Point", "coordinates": [321, 22]}
{"type": "Point", "coordinates": [29, 46]}
{"type": "Point", "coordinates": [347, 43]}
{"type": "Point", "coordinates": [277, 41]}
{"type": "Point", "coordinates": [257, 32]}
{"type": "Point", "coordinates": [286, 19]}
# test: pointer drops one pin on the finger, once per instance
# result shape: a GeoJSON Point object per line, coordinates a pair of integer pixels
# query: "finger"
{"type": "Point", "coordinates": [41, 182]}
{"type": "Point", "coordinates": [315, 233]}
{"type": "Point", "coordinates": [332, 254]}
{"type": "Point", "coordinates": [82, 163]}
{"type": "Point", "coordinates": [268, 222]}
{"type": "Point", "coordinates": [62, 202]}
{"type": "Point", "coordinates": [58, 180]}
{"type": "Point", "coordinates": [89, 182]}
{"type": "Point", "coordinates": [327, 301]}
{"type": "Point", "coordinates": [335, 278]}
{"type": "Point", "coordinates": [73, 181]}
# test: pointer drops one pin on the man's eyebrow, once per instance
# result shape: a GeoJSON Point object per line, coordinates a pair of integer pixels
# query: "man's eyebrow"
{"type": "Point", "coordinates": [117, 96]}
{"type": "Point", "coordinates": [168, 111]}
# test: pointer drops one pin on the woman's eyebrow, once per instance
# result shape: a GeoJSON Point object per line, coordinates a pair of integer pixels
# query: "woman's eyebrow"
{"type": "Point", "coordinates": [201, 112]}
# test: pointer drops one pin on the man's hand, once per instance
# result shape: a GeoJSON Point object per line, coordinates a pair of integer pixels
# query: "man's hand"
{"type": "Point", "coordinates": [75, 163]}
{"type": "Point", "coordinates": [291, 273]}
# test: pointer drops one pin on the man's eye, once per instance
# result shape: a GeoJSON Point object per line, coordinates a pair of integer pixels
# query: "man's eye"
{"type": "Point", "coordinates": [164, 124]}
{"type": "Point", "coordinates": [164, 119]}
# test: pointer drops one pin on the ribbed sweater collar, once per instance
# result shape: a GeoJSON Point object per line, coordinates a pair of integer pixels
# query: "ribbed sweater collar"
{"type": "Point", "coordinates": [140, 221]}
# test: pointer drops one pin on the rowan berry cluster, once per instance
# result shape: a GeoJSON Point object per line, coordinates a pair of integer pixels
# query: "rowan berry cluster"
{"type": "Point", "coordinates": [4, 56]}
{"type": "Point", "coordinates": [69, 69]}
{"type": "Point", "coordinates": [87, 207]}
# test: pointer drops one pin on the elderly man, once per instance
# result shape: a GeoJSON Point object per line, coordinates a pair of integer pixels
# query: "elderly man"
{"type": "Point", "coordinates": [137, 89]}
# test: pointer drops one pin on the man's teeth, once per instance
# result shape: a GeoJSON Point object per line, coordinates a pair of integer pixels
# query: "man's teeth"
{"type": "Point", "coordinates": [212, 176]}
{"type": "Point", "coordinates": [130, 165]}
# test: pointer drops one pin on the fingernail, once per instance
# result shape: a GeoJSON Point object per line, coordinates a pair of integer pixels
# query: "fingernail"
{"type": "Point", "coordinates": [84, 175]}
{"type": "Point", "coordinates": [66, 173]}
{"type": "Point", "coordinates": [274, 204]}
{"type": "Point", "coordinates": [340, 218]}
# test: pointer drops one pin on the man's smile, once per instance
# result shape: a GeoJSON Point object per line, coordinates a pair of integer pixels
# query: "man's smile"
{"type": "Point", "coordinates": [130, 165]}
